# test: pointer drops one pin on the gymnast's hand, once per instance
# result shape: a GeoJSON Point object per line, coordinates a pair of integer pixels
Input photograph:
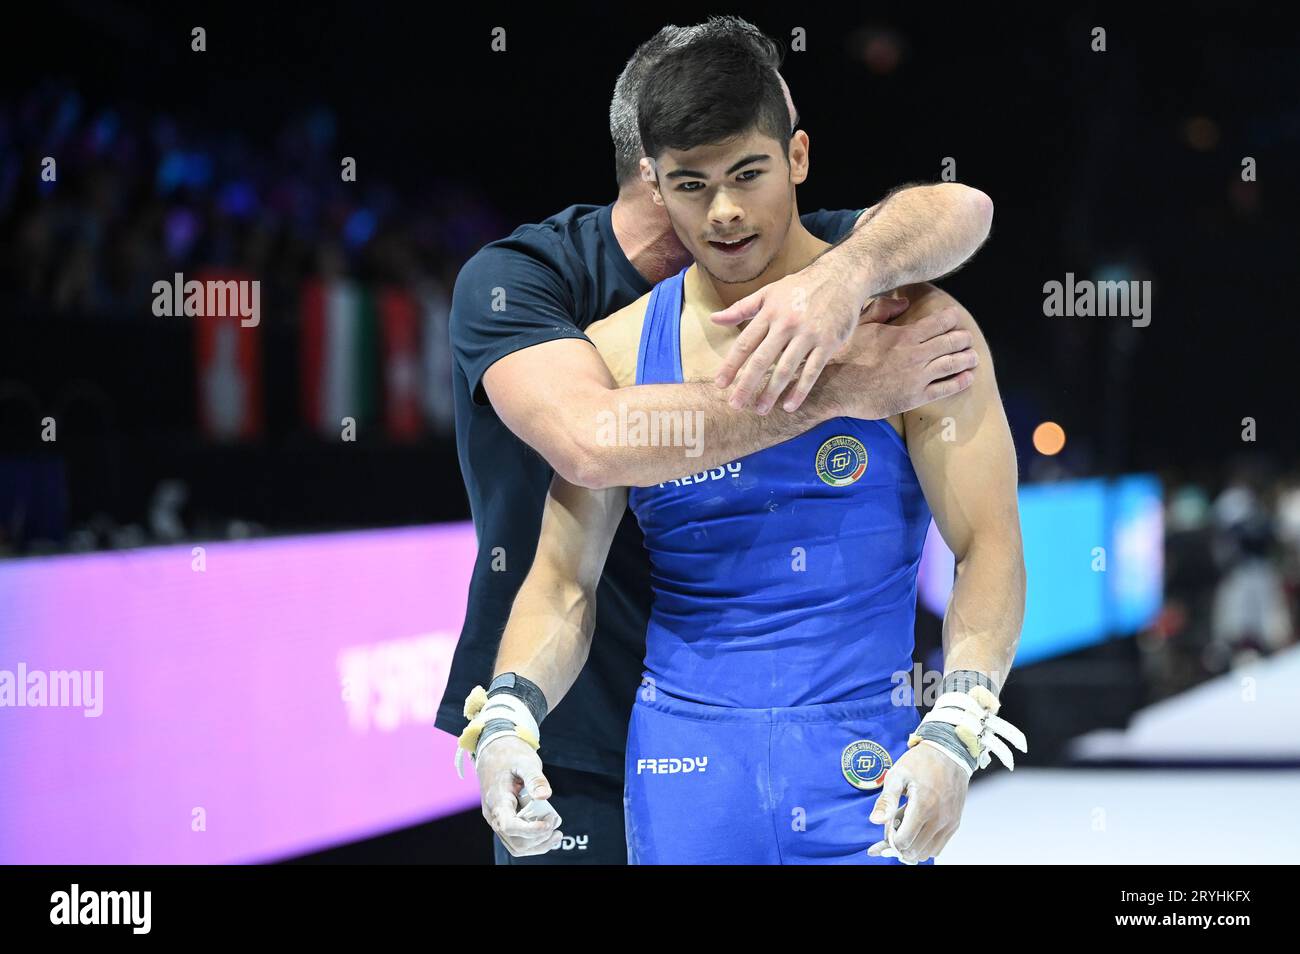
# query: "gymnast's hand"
{"type": "Point", "coordinates": [802, 319]}
{"type": "Point", "coordinates": [515, 794]}
{"type": "Point", "coordinates": [935, 788]}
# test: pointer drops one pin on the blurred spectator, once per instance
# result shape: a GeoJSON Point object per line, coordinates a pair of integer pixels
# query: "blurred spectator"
{"type": "Point", "coordinates": [138, 197]}
{"type": "Point", "coordinates": [1250, 615]}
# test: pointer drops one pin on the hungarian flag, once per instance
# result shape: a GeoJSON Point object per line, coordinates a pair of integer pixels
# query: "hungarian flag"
{"type": "Point", "coordinates": [339, 356]}
{"type": "Point", "coordinates": [439, 410]}
{"type": "Point", "coordinates": [399, 322]}
{"type": "Point", "coordinates": [228, 363]}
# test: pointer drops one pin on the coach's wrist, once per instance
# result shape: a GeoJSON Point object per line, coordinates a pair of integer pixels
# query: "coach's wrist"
{"type": "Point", "coordinates": [827, 399]}
{"type": "Point", "coordinates": [854, 273]}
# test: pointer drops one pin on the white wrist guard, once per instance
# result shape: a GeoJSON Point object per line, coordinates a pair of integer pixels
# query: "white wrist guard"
{"type": "Point", "coordinates": [968, 723]}
{"type": "Point", "coordinates": [512, 712]}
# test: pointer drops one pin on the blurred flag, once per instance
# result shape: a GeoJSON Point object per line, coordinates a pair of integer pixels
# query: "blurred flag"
{"type": "Point", "coordinates": [339, 354]}
{"type": "Point", "coordinates": [228, 359]}
{"type": "Point", "coordinates": [399, 321]}
{"type": "Point", "coordinates": [437, 396]}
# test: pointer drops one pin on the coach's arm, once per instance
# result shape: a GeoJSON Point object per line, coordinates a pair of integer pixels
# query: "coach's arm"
{"type": "Point", "coordinates": [916, 233]}
{"type": "Point", "coordinates": [555, 395]}
{"type": "Point", "coordinates": [963, 455]}
{"type": "Point", "coordinates": [546, 641]}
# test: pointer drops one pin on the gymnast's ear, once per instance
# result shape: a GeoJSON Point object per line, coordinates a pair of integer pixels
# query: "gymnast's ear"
{"type": "Point", "coordinates": [797, 156]}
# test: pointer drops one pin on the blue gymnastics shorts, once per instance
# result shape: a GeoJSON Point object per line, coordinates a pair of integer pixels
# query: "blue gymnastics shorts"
{"type": "Point", "coordinates": [719, 785]}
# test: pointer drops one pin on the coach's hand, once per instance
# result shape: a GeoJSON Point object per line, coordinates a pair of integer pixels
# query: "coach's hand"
{"type": "Point", "coordinates": [935, 788]}
{"type": "Point", "coordinates": [508, 769]}
{"type": "Point", "coordinates": [888, 369]}
{"type": "Point", "coordinates": [802, 319]}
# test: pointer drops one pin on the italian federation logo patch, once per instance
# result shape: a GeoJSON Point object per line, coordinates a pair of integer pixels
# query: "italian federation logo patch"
{"type": "Point", "coordinates": [841, 461]}
{"type": "Point", "coordinates": [864, 764]}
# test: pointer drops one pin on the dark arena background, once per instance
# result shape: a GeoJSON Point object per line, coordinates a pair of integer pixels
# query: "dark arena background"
{"type": "Point", "coordinates": [264, 605]}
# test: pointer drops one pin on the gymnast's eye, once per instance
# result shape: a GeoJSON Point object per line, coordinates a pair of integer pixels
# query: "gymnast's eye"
{"type": "Point", "coordinates": [694, 186]}
{"type": "Point", "coordinates": [749, 175]}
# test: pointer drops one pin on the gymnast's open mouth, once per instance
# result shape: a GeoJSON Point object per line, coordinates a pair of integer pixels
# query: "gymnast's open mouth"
{"type": "Point", "coordinates": [734, 246]}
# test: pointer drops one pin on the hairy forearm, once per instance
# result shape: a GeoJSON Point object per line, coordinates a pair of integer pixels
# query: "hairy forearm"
{"type": "Point", "coordinates": [645, 435]}
{"type": "Point", "coordinates": [982, 626]}
{"type": "Point", "coordinates": [916, 234]}
{"type": "Point", "coordinates": [548, 635]}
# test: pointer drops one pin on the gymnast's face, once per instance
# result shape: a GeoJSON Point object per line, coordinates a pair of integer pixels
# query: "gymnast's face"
{"type": "Point", "coordinates": [732, 203]}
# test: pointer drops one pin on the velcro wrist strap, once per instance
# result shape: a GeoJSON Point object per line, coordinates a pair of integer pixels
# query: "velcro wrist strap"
{"type": "Point", "coordinates": [504, 706]}
{"type": "Point", "coordinates": [525, 689]}
{"type": "Point", "coordinates": [944, 738]}
{"type": "Point", "coordinates": [491, 728]}
{"type": "Point", "coordinates": [961, 680]}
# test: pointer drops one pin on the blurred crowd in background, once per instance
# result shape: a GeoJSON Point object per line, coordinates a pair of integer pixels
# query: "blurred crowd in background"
{"type": "Point", "coordinates": [150, 451]}
{"type": "Point", "coordinates": [139, 196]}
{"type": "Point", "coordinates": [1232, 576]}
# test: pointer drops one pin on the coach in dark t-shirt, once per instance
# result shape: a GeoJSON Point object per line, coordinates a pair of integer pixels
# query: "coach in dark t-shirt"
{"type": "Point", "coordinates": [555, 278]}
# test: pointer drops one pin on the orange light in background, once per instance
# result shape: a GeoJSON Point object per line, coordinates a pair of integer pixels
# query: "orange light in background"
{"type": "Point", "coordinates": [1201, 133]}
{"type": "Point", "coordinates": [1049, 438]}
{"type": "Point", "coordinates": [881, 50]}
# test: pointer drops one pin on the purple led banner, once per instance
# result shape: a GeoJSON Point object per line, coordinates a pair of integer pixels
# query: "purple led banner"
{"type": "Point", "coordinates": [256, 700]}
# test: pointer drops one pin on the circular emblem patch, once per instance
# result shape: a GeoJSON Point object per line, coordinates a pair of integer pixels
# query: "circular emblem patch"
{"type": "Point", "coordinates": [841, 461]}
{"type": "Point", "coordinates": [864, 764]}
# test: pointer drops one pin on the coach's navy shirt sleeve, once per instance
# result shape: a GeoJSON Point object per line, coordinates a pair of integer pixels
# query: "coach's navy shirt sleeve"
{"type": "Point", "coordinates": [831, 226]}
{"type": "Point", "coordinates": [507, 299]}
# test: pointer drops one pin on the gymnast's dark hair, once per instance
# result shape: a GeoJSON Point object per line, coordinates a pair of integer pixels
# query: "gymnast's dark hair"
{"type": "Point", "coordinates": [716, 87]}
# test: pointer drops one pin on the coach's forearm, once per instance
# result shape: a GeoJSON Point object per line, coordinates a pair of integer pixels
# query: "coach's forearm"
{"type": "Point", "coordinates": [981, 628]}
{"type": "Point", "coordinates": [644, 435]}
{"type": "Point", "coordinates": [916, 234]}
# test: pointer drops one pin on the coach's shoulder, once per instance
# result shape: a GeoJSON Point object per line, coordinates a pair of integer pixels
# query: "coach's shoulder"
{"type": "Point", "coordinates": [513, 267]}
{"type": "Point", "coordinates": [618, 339]}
